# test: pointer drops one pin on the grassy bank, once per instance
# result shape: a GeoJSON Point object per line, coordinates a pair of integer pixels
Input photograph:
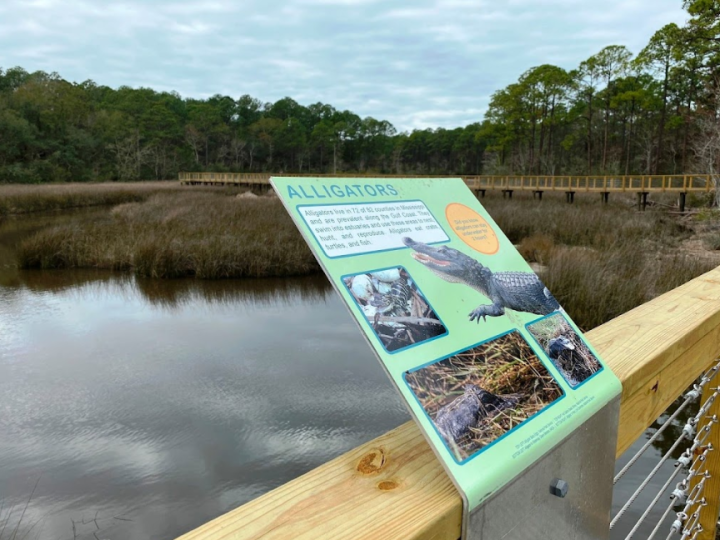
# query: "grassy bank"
{"type": "Point", "coordinates": [205, 235]}
{"type": "Point", "coordinates": [596, 286]}
{"type": "Point", "coordinates": [599, 261]}
{"type": "Point", "coordinates": [590, 224]}
{"type": "Point", "coordinates": [24, 199]}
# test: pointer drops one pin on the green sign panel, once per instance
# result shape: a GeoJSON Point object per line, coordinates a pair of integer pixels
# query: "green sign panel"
{"type": "Point", "coordinates": [491, 367]}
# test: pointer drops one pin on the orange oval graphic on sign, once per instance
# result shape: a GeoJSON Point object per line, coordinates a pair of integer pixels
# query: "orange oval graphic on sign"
{"type": "Point", "coordinates": [472, 228]}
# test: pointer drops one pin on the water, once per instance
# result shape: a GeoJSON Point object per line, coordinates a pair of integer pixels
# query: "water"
{"type": "Point", "coordinates": [144, 408]}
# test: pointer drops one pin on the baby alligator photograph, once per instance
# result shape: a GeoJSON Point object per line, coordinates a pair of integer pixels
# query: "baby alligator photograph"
{"type": "Point", "coordinates": [519, 291]}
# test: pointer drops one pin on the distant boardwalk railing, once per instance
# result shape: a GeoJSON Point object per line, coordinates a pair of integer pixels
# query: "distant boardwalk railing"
{"type": "Point", "coordinates": [394, 487]}
{"type": "Point", "coordinates": [680, 183]}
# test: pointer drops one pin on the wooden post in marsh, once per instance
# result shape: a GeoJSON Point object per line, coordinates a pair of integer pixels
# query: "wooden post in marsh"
{"type": "Point", "coordinates": [711, 492]}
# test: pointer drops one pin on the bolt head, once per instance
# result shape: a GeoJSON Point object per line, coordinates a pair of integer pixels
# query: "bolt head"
{"type": "Point", "coordinates": [559, 488]}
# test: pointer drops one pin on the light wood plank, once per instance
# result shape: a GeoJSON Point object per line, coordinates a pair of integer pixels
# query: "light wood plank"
{"type": "Point", "coordinates": [394, 487]}
{"type": "Point", "coordinates": [659, 348]}
{"type": "Point", "coordinates": [385, 489]}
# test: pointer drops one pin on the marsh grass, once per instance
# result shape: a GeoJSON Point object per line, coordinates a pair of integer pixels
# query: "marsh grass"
{"type": "Point", "coordinates": [205, 235]}
{"type": "Point", "coordinates": [599, 260]}
{"type": "Point", "coordinates": [311, 289]}
{"type": "Point", "coordinates": [24, 199]}
{"type": "Point", "coordinates": [591, 224]}
{"type": "Point", "coordinates": [506, 366]}
{"type": "Point", "coordinates": [712, 241]}
{"type": "Point", "coordinates": [596, 286]}
{"type": "Point", "coordinates": [536, 248]}
{"type": "Point", "coordinates": [602, 260]}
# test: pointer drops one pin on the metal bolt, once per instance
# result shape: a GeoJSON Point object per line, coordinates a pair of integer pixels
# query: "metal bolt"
{"type": "Point", "coordinates": [558, 487]}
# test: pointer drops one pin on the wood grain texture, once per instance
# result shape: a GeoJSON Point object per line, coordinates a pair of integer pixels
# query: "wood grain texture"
{"type": "Point", "coordinates": [659, 348]}
{"type": "Point", "coordinates": [394, 487]}
{"type": "Point", "coordinates": [388, 488]}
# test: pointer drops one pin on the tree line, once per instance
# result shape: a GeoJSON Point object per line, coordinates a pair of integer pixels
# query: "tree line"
{"type": "Point", "coordinates": [654, 113]}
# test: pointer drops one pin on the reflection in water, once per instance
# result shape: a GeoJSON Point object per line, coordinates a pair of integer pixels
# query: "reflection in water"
{"type": "Point", "coordinates": [152, 407]}
{"type": "Point", "coordinates": [254, 292]}
{"type": "Point", "coordinates": [171, 294]}
{"type": "Point", "coordinates": [148, 407]}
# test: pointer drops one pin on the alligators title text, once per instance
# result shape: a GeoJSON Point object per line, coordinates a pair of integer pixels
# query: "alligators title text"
{"type": "Point", "coordinates": [334, 190]}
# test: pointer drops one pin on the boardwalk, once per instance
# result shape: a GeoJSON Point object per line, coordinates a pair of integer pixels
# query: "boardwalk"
{"type": "Point", "coordinates": [604, 185]}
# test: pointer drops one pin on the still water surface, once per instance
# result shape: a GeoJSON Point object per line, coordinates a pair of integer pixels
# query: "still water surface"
{"type": "Point", "coordinates": [144, 408]}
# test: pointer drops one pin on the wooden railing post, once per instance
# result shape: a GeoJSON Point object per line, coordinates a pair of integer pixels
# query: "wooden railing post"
{"type": "Point", "coordinates": [711, 492]}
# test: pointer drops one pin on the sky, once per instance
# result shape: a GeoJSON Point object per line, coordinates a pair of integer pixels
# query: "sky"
{"type": "Point", "coordinates": [417, 64]}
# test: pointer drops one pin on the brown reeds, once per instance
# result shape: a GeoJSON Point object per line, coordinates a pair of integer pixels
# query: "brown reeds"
{"type": "Point", "coordinates": [589, 223]}
{"type": "Point", "coordinates": [24, 199]}
{"type": "Point", "coordinates": [595, 286]}
{"type": "Point", "coordinates": [599, 260]}
{"type": "Point", "coordinates": [205, 235]}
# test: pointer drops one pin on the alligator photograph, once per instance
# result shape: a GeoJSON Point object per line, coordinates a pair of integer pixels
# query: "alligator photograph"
{"type": "Point", "coordinates": [519, 291]}
{"type": "Point", "coordinates": [565, 349]}
{"type": "Point", "coordinates": [394, 307]}
{"type": "Point", "coordinates": [478, 395]}
{"type": "Point", "coordinates": [475, 404]}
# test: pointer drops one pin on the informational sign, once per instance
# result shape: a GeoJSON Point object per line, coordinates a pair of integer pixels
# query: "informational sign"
{"type": "Point", "coordinates": [490, 365]}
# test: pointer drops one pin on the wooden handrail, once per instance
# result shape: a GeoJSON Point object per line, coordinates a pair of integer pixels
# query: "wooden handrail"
{"type": "Point", "coordinates": [660, 183]}
{"type": "Point", "coordinates": [394, 487]}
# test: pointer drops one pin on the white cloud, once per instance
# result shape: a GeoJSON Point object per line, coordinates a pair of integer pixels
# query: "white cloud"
{"type": "Point", "coordinates": [338, 2]}
{"type": "Point", "coordinates": [201, 8]}
{"type": "Point", "coordinates": [416, 64]}
{"type": "Point", "coordinates": [192, 28]}
{"type": "Point", "coordinates": [409, 13]}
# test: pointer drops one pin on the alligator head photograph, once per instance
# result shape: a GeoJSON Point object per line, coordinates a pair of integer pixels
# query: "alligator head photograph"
{"type": "Point", "coordinates": [519, 291]}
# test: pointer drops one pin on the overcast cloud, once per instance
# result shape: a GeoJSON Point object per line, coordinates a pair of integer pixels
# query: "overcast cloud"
{"type": "Point", "coordinates": [422, 63]}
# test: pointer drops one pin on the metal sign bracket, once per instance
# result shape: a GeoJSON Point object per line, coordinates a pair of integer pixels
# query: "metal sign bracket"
{"type": "Point", "coordinates": [566, 495]}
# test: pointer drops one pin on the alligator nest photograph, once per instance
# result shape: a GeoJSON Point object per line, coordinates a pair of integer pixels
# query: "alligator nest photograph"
{"type": "Point", "coordinates": [480, 394]}
{"type": "Point", "coordinates": [397, 311]}
{"type": "Point", "coordinates": [566, 350]}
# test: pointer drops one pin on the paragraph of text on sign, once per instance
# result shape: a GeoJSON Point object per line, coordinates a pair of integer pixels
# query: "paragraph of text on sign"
{"type": "Point", "coordinates": [354, 229]}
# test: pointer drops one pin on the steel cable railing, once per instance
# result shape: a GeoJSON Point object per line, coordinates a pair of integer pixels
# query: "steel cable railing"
{"type": "Point", "coordinates": [690, 397]}
{"type": "Point", "coordinates": [688, 491]}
